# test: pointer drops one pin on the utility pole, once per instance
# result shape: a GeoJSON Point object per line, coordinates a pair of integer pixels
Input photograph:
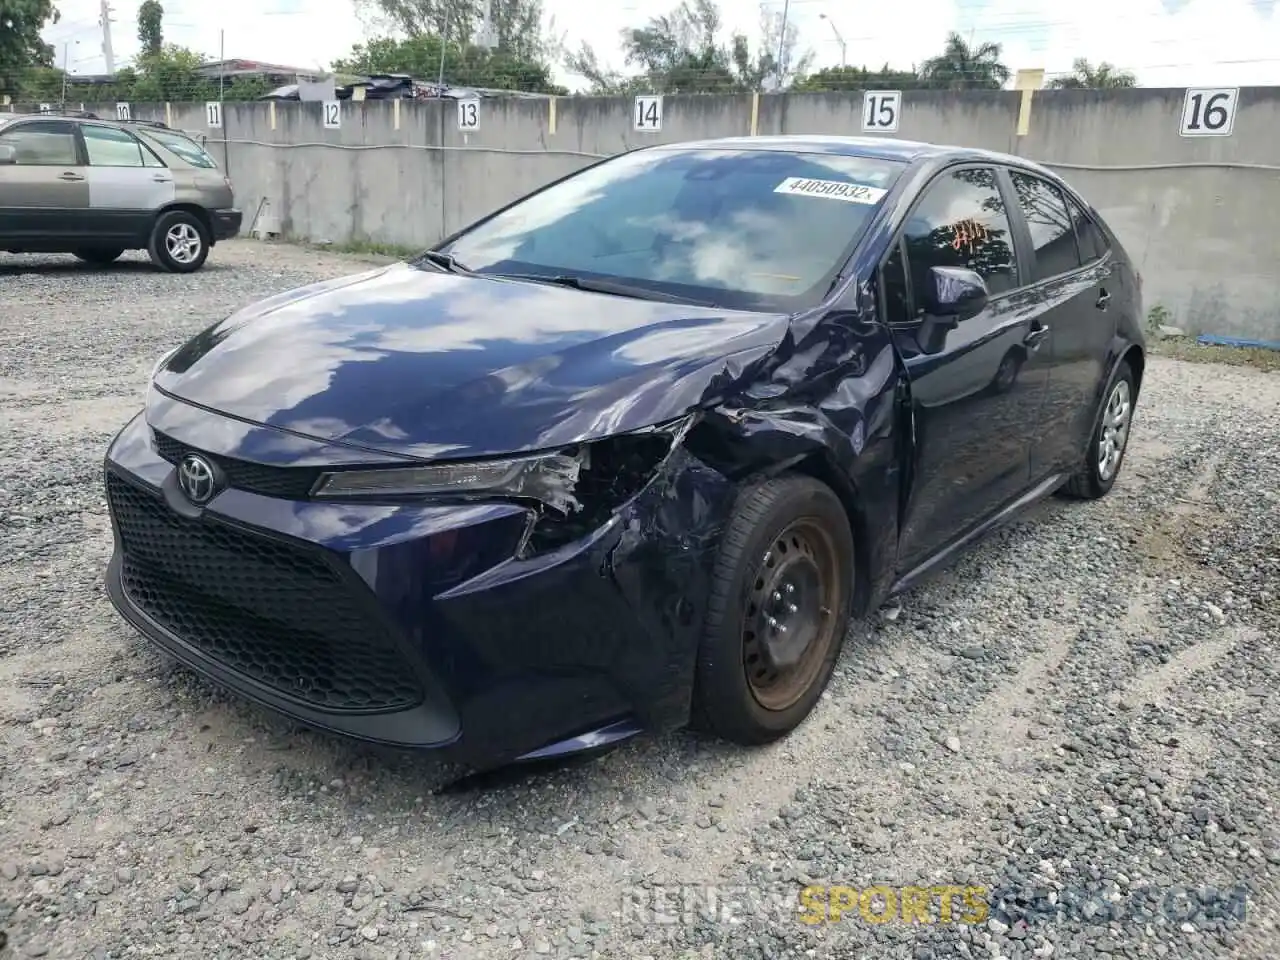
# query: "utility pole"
{"type": "Point", "coordinates": [839, 39]}
{"type": "Point", "coordinates": [782, 41]}
{"type": "Point", "coordinates": [107, 53]}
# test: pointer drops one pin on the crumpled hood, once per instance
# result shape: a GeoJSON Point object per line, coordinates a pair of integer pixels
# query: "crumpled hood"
{"type": "Point", "coordinates": [420, 363]}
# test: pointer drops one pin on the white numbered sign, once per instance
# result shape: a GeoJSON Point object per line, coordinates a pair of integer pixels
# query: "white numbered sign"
{"type": "Point", "coordinates": [880, 111]}
{"type": "Point", "coordinates": [1209, 111]}
{"type": "Point", "coordinates": [648, 114]}
{"type": "Point", "coordinates": [122, 112]}
{"type": "Point", "coordinates": [213, 114]}
{"type": "Point", "coordinates": [468, 115]}
{"type": "Point", "coordinates": [45, 108]}
{"type": "Point", "coordinates": [331, 114]}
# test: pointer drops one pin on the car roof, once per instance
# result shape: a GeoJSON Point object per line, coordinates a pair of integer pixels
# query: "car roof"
{"type": "Point", "coordinates": [876, 148]}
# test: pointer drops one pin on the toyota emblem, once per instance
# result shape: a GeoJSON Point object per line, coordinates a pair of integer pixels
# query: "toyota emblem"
{"type": "Point", "coordinates": [195, 477]}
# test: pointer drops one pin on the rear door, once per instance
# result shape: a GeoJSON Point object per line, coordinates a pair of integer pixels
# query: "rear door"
{"type": "Point", "coordinates": [128, 183]}
{"type": "Point", "coordinates": [976, 400]}
{"type": "Point", "coordinates": [1071, 270]}
{"type": "Point", "coordinates": [44, 192]}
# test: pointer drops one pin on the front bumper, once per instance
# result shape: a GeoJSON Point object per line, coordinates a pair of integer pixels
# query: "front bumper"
{"type": "Point", "coordinates": [414, 624]}
{"type": "Point", "coordinates": [226, 223]}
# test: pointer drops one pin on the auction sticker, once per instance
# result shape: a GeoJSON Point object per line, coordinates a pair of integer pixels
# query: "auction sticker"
{"type": "Point", "coordinates": [831, 189]}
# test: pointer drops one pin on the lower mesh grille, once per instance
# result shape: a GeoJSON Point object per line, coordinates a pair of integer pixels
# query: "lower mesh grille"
{"type": "Point", "coordinates": [268, 610]}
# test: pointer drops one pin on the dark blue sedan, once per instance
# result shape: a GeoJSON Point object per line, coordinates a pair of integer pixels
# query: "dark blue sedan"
{"type": "Point", "coordinates": [630, 452]}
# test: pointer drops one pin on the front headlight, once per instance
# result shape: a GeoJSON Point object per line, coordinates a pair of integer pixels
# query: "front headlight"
{"type": "Point", "coordinates": [549, 479]}
{"type": "Point", "coordinates": [583, 485]}
{"type": "Point", "coordinates": [146, 388]}
{"type": "Point", "coordinates": [160, 363]}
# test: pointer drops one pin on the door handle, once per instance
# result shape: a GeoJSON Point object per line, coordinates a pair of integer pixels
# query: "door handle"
{"type": "Point", "coordinates": [158, 178]}
{"type": "Point", "coordinates": [69, 176]}
{"type": "Point", "coordinates": [1104, 298]}
{"type": "Point", "coordinates": [1036, 336]}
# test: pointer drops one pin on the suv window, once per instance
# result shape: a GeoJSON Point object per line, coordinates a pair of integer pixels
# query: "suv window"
{"type": "Point", "coordinates": [962, 222]}
{"type": "Point", "coordinates": [1093, 243]}
{"type": "Point", "coordinates": [184, 147]}
{"type": "Point", "coordinates": [1052, 234]}
{"type": "Point", "coordinates": [42, 143]}
{"type": "Point", "coordinates": [109, 147]}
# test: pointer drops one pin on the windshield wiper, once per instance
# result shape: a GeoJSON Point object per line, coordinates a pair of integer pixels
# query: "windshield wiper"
{"type": "Point", "coordinates": [602, 286]}
{"type": "Point", "coordinates": [445, 261]}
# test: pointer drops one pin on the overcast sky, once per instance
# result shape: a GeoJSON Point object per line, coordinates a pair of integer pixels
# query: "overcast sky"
{"type": "Point", "coordinates": [1172, 43]}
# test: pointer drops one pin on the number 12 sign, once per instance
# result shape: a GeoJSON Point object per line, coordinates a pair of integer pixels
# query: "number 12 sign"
{"type": "Point", "coordinates": [1209, 111]}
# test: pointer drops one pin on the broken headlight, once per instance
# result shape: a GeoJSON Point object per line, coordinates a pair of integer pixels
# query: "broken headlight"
{"type": "Point", "coordinates": [548, 479]}
{"type": "Point", "coordinates": [580, 486]}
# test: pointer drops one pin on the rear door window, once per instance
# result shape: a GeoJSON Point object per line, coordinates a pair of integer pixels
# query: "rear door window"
{"type": "Point", "coordinates": [1053, 237]}
{"type": "Point", "coordinates": [109, 147]}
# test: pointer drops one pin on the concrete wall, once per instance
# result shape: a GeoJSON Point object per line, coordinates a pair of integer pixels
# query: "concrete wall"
{"type": "Point", "coordinates": [1204, 236]}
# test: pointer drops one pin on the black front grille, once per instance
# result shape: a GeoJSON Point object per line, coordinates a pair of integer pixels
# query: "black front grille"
{"type": "Point", "coordinates": [266, 609]}
{"type": "Point", "coordinates": [290, 483]}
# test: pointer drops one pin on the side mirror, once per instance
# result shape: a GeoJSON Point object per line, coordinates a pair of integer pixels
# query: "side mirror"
{"type": "Point", "coordinates": [954, 294]}
{"type": "Point", "coordinates": [8, 155]}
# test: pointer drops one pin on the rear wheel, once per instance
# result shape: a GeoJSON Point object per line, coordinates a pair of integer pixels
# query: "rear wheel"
{"type": "Point", "coordinates": [179, 242]}
{"type": "Point", "coordinates": [1096, 476]}
{"type": "Point", "coordinates": [100, 255]}
{"type": "Point", "coordinates": [778, 610]}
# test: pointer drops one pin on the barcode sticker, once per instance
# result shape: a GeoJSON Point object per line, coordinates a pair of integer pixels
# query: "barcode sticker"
{"type": "Point", "coordinates": [831, 189]}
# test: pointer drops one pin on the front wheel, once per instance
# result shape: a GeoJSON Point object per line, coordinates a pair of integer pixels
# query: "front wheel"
{"type": "Point", "coordinates": [777, 613]}
{"type": "Point", "coordinates": [1096, 476]}
{"type": "Point", "coordinates": [179, 242]}
{"type": "Point", "coordinates": [100, 256]}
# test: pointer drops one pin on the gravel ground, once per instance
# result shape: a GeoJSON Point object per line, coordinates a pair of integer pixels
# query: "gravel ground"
{"type": "Point", "coordinates": [1080, 719]}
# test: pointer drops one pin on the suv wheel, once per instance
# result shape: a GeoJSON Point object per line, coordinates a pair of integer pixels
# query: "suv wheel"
{"type": "Point", "coordinates": [99, 255]}
{"type": "Point", "coordinates": [179, 242]}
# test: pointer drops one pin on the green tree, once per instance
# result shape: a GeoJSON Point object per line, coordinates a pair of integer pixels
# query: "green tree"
{"type": "Point", "coordinates": [1102, 77]}
{"type": "Point", "coordinates": [859, 78]}
{"type": "Point", "coordinates": [21, 47]}
{"type": "Point", "coordinates": [464, 65]}
{"type": "Point", "coordinates": [151, 27]}
{"type": "Point", "coordinates": [961, 67]}
{"type": "Point", "coordinates": [681, 52]}
{"type": "Point", "coordinates": [517, 24]}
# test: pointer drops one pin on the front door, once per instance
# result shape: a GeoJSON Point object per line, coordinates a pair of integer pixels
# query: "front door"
{"type": "Point", "coordinates": [128, 183]}
{"type": "Point", "coordinates": [44, 190]}
{"type": "Point", "coordinates": [977, 390]}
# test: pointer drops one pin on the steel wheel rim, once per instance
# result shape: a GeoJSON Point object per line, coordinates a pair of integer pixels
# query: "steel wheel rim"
{"type": "Point", "coordinates": [183, 243]}
{"type": "Point", "coordinates": [789, 620]}
{"type": "Point", "coordinates": [1115, 430]}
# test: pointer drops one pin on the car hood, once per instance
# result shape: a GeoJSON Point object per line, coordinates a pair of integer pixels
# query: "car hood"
{"type": "Point", "coordinates": [421, 363]}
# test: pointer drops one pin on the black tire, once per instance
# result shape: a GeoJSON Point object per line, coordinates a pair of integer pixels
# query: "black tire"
{"type": "Point", "coordinates": [162, 246]}
{"type": "Point", "coordinates": [100, 256]}
{"type": "Point", "coordinates": [731, 695]}
{"type": "Point", "coordinates": [1089, 481]}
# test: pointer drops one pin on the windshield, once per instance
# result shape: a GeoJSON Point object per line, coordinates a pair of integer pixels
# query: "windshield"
{"type": "Point", "coordinates": [747, 229]}
{"type": "Point", "coordinates": [184, 147]}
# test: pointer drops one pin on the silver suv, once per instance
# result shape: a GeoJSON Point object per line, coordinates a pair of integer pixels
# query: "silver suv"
{"type": "Point", "coordinates": [96, 188]}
